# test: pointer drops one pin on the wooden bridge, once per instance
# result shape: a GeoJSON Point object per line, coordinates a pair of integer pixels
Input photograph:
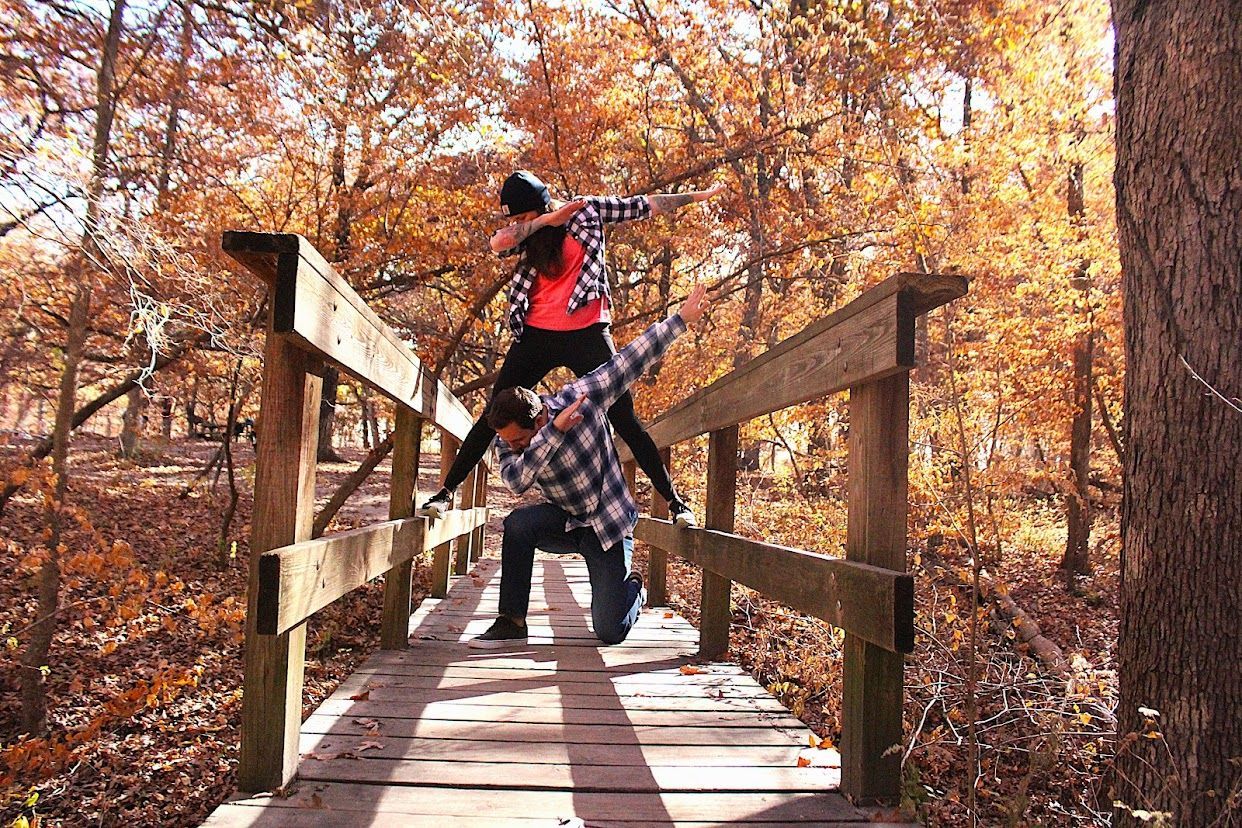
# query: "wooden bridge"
{"type": "Point", "coordinates": [563, 731]}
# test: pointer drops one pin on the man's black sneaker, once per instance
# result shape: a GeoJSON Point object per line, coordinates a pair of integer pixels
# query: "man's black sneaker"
{"type": "Point", "coordinates": [681, 515]}
{"type": "Point", "coordinates": [501, 633]}
{"type": "Point", "coordinates": [637, 578]}
{"type": "Point", "coordinates": [437, 506]}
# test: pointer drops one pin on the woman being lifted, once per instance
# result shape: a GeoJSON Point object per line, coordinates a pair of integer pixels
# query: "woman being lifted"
{"type": "Point", "coordinates": [560, 313]}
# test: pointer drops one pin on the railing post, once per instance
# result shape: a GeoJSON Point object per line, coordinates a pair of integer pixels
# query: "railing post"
{"type": "Point", "coordinates": [876, 534]}
{"type": "Point", "coordinates": [629, 470]}
{"type": "Point", "coordinates": [714, 610]}
{"type": "Point", "coordinates": [469, 499]}
{"type": "Point", "coordinates": [284, 511]}
{"type": "Point", "coordinates": [441, 561]}
{"type": "Point", "coordinates": [657, 559]}
{"type": "Point", "coordinates": [480, 499]}
{"type": "Point", "coordinates": [395, 622]}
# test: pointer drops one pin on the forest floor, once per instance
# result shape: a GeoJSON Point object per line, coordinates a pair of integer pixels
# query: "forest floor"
{"type": "Point", "coordinates": [143, 683]}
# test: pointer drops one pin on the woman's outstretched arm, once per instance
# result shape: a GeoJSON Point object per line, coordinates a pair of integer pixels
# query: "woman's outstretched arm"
{"type": "Point", "coordinates": [507, 238]}
{"type": "Point", "coordinates": [665, 203]}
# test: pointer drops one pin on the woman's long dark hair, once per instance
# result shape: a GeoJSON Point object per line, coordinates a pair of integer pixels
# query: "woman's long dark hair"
{"type": "Point", "coordinates": [543, 249]}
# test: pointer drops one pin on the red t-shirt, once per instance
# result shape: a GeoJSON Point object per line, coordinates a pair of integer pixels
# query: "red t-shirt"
{"type": "Point", "coordinates": [549, 296]}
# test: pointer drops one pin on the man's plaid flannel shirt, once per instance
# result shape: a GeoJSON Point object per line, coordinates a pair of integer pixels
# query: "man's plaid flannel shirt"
{"type": "Point", "coordinates": [578, 470]}
{"type": "Point", "coordinates": [587, 227]}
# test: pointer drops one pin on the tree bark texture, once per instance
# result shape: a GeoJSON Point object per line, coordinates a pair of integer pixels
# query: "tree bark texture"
{"type": "Point", "coordinates": [1179, 215]}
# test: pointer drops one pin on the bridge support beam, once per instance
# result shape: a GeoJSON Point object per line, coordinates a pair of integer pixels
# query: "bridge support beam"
{"type": "Point", "coordinates": [657, 559]}
{"type": "Point", "coordinates": [406, 451]}
{"type": "Point", "coordinates": [442, 558]}
{"type": "Point", "coordinates": [284, 512]}
{"type": "Point", "coordinates": [871, 739]}
{"type": "Point", "coordinates": [715, 613]}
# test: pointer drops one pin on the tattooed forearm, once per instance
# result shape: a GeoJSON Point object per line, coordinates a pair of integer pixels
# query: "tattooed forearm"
{"type": "Point", "coordinates": [509, 237]}
{"type": "Point", "coordinates": [667, 203]}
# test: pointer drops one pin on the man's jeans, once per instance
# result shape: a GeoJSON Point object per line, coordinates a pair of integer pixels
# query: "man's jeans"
{"type": "Point", "coordinates": [615, 602]}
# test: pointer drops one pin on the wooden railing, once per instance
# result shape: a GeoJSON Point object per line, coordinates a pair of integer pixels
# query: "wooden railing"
{"type": "Point", "coordinates": [314, 318]}
{"type": "Point", "coordinates": [866, 347]}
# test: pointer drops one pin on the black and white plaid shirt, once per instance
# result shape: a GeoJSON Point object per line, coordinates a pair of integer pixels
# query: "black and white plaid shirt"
{"type": "Point", "coordinates": [587, 227]}
{"type": "Point", "coordinates": [578, 470]}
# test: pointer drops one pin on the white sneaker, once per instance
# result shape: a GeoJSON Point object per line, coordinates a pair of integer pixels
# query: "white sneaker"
{"type": "Point", "coordinates": [437, 506]}
{"type": "Point", "coordinates": [681, 515]}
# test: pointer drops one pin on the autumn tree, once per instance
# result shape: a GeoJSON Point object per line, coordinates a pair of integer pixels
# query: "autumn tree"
{"type": "Point", "coordinates": [1179, 199]}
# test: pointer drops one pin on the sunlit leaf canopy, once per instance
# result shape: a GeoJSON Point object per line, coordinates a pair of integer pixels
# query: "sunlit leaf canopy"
{"type": "Point", "coordinates": [857, 140]}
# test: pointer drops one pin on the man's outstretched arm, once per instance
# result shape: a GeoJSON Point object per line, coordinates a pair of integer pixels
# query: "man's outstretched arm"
{"type": "Point", "coordinates": [609, 381]}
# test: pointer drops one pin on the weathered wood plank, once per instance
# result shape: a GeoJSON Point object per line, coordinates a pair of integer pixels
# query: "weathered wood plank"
{"type": "Point", "coordinates": [284, 510]}
{"type": "Point", "coordinates": [560, 752]}
{"type": "Point", "coordinates": [243, 816]}
{"type": "Point", "coordinates": [876, 534]}
{"type": "Point", "coordinates": [498, 697]}
{"type": "Point", "coordinates": [715, 598]}
{"type": "Point", "coordinates": [320, 310]}
{"type": "Point", "coordinates": [521, 732]}
{"type": "Point", "coordinates": [407, 439]}
{"type": "Point", "coordinates": [441, 560]}
{"type": "Point", "coordinates": [297, 580]}
{"type": "Point", "coordinates": [453, 712]}
{"type": "Point", "coordinates": [651, 809]}
{"type": "Point", "coordinates": [600, 778]}
{"type": "Point", "coordinates": [869, 338]}
{"type": "Point", "coordinates": [873, 603]}
{"type": "Point", "coordinates": [421, 688]}
{"type": "Point", "coordinates": [470, 498]}
{"type": "Point", "coordinates": [657, 559]}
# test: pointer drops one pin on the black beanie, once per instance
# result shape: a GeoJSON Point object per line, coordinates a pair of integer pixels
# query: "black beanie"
{"type": "Point", "coordinates": [523, 192]}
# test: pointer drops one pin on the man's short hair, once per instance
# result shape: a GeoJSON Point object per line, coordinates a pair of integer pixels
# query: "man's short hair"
{"type": "Point", "coordinates": [514, 405]}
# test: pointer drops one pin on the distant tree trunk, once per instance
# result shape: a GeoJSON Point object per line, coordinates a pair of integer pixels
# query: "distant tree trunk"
{"type": "Point", "coordinates": [1179, 202]}
{"type": "Point", "coordinates": [191, 409]}
{"type": "Point", "coordinates": [177, 96]}
{"type": "Point", "coordinates": [374, 422]}
{"type": "Point", "coordinates": [35, 658]}
{"type": "Point", "coordinates": [131, 422]}
{"type": "Point", "coordinates": [1077, 557]}
{"type": "Point", "coordinates": [364, 403]}
{"type": "Point", "coordinates": [327, 417]}
{"type": "Point", "coordinates": [166, 418]}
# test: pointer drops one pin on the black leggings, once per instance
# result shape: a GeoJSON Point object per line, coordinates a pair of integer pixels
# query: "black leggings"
{"type": "Point", "coordinates": [528, 361]}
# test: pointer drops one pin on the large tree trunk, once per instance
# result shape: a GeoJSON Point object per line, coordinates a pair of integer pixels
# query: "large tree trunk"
{"type": "Point", "coordinates": [1179, 203]}
{"type": "Point", "coordinates": [35, 658]}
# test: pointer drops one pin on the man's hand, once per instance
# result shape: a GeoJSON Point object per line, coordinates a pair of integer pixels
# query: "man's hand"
{"type": "Point", "coordinates": [696, 303]}
{"type": "Point", "coordinates": [563, 213]}
{"type": "Point", "coordinates": [704, 195]}
{"type": "Point", "coordinates": [570, 417]}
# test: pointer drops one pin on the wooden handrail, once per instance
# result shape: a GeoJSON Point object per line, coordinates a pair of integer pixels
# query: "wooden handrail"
{"type": "Point", "coordinates": [318, 309]}
{"type": "Point", "coordinates": [296, 581]}
{"type": "Point", "coordinates": [868, 339]}
{"type": "Point", "coordinates": [873, 603]}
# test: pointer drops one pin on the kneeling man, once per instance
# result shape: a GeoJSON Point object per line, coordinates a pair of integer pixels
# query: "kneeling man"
{"type": "Point", "coordinates": [562, 445]}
